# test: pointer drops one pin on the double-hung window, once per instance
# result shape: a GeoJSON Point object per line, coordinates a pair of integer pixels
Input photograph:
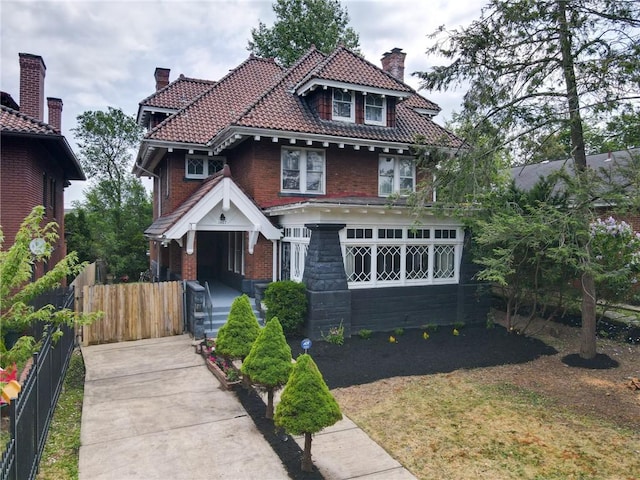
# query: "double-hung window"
{"type": "Point", "coordinates": [202, 166]}
{"type": "Point", "coordinates": [375, 109]}
{"type": "Point", "coordinates": [303, 170]}
{"type": "Point", "coordinates": [343, 106]}
{"type": "Point", "coordinates": [396, 175]}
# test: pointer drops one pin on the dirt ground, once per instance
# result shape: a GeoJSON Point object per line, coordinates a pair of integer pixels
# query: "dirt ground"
{"type": "Point", "coordinates": [533, 361]}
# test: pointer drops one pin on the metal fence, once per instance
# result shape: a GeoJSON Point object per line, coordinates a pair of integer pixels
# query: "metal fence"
{"type": "Point", "coordinates": [30, 414]}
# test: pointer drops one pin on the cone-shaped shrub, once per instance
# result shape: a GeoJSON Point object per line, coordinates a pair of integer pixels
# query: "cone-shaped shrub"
{"type": "Point", "coordinates": [306, 405]}
{"type": "Point", "coordinates": [241, 330]}
{"type": "Point", "coordinates": [269, 362]}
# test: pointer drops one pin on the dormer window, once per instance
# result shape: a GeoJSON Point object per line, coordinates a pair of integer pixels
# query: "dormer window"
{"type": "Point", "coordinates": [202, 166]}
{"type": "Point", "coordinates": [343, 106]}
{"type": "Point", "coordinates": [375, 109]}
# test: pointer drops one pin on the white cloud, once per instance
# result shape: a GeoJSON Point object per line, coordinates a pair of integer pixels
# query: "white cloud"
{"type": "Point", "coordinates": [103, 53]}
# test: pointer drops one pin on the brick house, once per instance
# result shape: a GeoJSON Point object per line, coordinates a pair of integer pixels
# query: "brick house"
{"type": "Point", "coordinates": [36, 162]}
{"type": "Point", "coordinates": [301, 173]}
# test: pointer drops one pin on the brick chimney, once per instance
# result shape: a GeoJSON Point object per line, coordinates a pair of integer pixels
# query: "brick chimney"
{"type": "Point", "coordinates": [54, 105]}
{"type": "Point", "coordinates": [393, 63]}
{"type": "Point", "coordinates": [162, 77]}
{"type": "Point", "coordinates": [32, 72]}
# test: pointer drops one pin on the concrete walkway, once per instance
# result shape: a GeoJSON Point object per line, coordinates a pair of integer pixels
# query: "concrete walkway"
{"type": "Point", "coordinates": [152, 410]}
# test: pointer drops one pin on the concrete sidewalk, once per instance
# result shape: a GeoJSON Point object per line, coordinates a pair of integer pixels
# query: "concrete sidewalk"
{"type": "Point", "coordinates": [152, 410]}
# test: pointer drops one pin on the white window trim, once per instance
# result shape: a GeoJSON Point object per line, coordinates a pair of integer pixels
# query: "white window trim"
{"type": "Point", "coordinates": [403, 243]}
{"type": "Point", "coordinates": [382, 122]}
{"type": "Point", "coordinates": [396, 175]}
{"type": "Point", "coordinates": [205, 165]}
{"type": "Point", "coordinates": [352, 117]}
{"type": "Point", "coordinates": [298, 237]}
{"type": "Point", "coordinates": [303, 171]}
{"type": "Point", "coordinates": [232, 260]}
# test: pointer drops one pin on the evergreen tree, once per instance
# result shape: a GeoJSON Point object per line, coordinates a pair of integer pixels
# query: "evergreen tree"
{"type": "Point", "coordinates": [541, 66]}
{"type": "Point", "coordinates": [306, 405]}
{"type": "Point", "coordinates": [269, 362]}
{"type": "Point", "coordinates": [301, 24]}
{"type": "Point", "coordinates": [236, 337]}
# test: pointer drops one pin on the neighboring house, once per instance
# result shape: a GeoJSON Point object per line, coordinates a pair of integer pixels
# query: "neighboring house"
{"type": "Point", "coordinates": [273, 173]}
{"type": "Point", "coordinates": [36, 162]}
{"type": "Point", "coordinates": [527, 176]}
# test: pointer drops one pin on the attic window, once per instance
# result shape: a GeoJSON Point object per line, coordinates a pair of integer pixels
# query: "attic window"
{"type": "Point", "coordinates": [375, 109]}
{"type": "Point", "coordinates": [343, 106]}
{"type": "Point", "coordinates": [202, 166]}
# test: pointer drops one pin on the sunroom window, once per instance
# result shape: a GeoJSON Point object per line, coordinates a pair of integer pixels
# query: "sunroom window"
{"type": "Point", "coordinates": [202, 166]}
{"type": "Point", "coordinates": [401, 256]}
{"type": "Point", "coordinates": [303, 170]}
{"type": "Point", "coordinates": [396, 175]}
{"type": "Point", "coordinates": [375, 109]}
{"type": "Point", "coordinates": [343, 106]}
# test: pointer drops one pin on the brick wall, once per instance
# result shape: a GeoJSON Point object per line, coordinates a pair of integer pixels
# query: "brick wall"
{"type": "Point", "coordinates": [258, 265]}
{"type": "Point", "coordinates": [24, 170]}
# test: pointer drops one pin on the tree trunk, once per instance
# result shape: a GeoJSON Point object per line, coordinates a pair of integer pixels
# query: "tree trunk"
{"type": "Point", "coordinates": [307, 464]}
{"type": "Point", "coordinates": [588, 333]}
{"type": "Point", "coordinates": [269, 413]}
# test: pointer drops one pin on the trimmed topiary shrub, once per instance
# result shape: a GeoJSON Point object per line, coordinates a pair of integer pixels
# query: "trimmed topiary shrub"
{"type": "Point", "coordinates": [287, 300]}
{"type": "Point", "coordinates": [236, 337]}
{"type": "Point", "coordinates": [306, 405]}
{"type": "Point", "coordinates": [269, 362]}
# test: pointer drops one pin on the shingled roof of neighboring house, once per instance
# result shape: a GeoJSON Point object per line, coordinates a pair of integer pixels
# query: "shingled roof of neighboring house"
{"type": "Point", "coordinates": [259, 95]}
{"type": "Point", "coordinates": [14, 123]}
{"type": "Point", "coordinates": [527, 176]}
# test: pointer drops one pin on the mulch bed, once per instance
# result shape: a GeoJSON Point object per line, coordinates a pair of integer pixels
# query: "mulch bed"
{"type": "Point", "coordinates": [360, 361]}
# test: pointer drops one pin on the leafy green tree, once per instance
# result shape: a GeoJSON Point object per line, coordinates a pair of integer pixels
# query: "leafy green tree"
{"type": "Point", "coordinates": [269, 361]}
{"type": "Point", "coordinates": [300, 24]}
{"type": "Point", "coordinates": [77, 229]}
{"type": "Point", "coordinates": [117, 208]}
{"type": "Point", "coordinates": [545, 65]}
{"type": "Point", "coordinates": [17, 289]}
{"type": "Point", "coordinates": [236, 337]}
{"type": "Point", "coordinates": [306, 405]}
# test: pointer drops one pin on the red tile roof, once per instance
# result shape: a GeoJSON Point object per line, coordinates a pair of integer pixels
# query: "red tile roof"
{"type": "Point", "coordinates": [342, 65]}
{"type": "Point", "coordinates": [217, 107]}
{"type": "Point", "coordinates": [178, 94]}
{"type": "Point", "coordinates": [258, 94]}
{"type": "Point", "coordinates": [16, 122]}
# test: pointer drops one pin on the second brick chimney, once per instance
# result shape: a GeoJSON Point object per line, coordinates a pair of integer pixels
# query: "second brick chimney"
{"type": "Point", "coordinates": [32, 72]}
{"type": "Point", "coordinates": [54, 105]}
{"type": "Point", "coordinates": [162, 77]}
{"type": "Point", "coordinates": [393, 63]}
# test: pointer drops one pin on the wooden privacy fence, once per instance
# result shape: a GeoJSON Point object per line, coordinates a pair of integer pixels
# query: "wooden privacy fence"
{"type": "Point", "coordinates": [132, 311]}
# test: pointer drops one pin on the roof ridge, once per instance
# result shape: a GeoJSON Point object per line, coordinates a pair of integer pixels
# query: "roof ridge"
{"type": "Point", "coordinates": [180, 78]}
{"type": "Point", "coordinates": [288, 72]}
{"type": "Point", "coordinates": [214, 86]}
{"type": "Point", "coordinates": [26, 117]}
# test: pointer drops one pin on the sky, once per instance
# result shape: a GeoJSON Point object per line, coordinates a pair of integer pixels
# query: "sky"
{"type": "Point", "coordinates": [102, 53]}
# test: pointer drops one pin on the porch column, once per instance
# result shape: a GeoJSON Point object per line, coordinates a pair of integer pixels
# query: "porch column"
{"type": "Point", "coordinates": [329, 298]}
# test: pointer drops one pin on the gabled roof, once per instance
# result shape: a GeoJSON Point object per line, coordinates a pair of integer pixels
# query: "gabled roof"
{"type": "Point", "coordinates": [217, 198]}
{"type": "Point", "coordinates": [16, 124]}
{"type": "Point", "coordinates": [344, 67]}
{"type": "Point", "coordinates": [527, 176]}
{"type": "Point", "coordinates": [260, 98]}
